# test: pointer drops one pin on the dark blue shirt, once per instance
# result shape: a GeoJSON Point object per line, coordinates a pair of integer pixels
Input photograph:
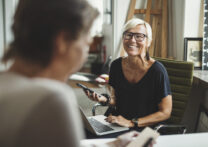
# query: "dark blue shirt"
{"type": "Point", "coordinates": [135, 100]}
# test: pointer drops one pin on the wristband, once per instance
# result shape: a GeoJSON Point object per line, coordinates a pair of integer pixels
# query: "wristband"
{"type": "Point", "coordinates": [135, 121]}
{"type": "Point", "coordinates": [108, 99]}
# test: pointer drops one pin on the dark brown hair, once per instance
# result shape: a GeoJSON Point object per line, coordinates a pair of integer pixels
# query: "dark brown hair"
{"type": "Point", "coordinates": [37, 23]}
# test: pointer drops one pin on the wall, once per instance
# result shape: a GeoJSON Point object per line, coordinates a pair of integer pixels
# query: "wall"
{"type": "Point", "coordinates": [176, 29]}
{"type": "Point", "coordinates": [7, 9]}
{"type": "Point", "coordinates": [193, 23]}
{"type": "Point", "coordinates": [1, 34]}
{"type": "Point", "coordinates": [10, 6]}
{"type": "Point", "coordinates": [1, 29]}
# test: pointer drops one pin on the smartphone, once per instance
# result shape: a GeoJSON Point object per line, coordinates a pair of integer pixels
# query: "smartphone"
{"type": "Point", "coordinates": [86, 88]}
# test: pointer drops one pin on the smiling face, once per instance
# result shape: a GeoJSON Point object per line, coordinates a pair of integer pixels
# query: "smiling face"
{"type": "Point", "coordinates": [135, 45]}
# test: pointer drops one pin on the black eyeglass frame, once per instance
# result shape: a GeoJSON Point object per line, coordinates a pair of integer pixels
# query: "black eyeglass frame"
{"type": "Point", "coordinates": [134, 34]}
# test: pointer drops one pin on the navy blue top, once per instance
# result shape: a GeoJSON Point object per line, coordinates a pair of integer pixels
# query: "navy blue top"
{"type": "Point", "coordinates": [135, 100]}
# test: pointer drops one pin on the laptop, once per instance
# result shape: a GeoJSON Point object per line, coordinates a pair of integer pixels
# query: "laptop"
{"type": "Point", "coordinates": [98, 126]}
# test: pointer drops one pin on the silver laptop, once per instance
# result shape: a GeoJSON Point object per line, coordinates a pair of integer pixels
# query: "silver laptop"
{"type": "Point", "coordinates": [97, 125]}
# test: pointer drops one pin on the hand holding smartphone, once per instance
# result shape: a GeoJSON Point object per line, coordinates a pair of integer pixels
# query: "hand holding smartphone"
{"type": "Point", "coordinates": [98, 98]}
{"type": "Point", "coordinates": [87, 89]}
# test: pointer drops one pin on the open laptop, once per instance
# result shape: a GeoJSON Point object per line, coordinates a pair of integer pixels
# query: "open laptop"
{"type": "Point", "coordinates": [97, 125]}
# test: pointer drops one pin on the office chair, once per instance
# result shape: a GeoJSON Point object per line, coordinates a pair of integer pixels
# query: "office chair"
{"type": "Point", "coordinates": [181, 77]}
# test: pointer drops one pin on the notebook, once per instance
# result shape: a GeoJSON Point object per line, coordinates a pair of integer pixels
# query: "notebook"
{"type": "Point", "coordinates": [97, 125]}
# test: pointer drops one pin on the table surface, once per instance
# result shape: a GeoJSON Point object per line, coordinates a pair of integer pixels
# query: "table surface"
{"type": "Point", "coordinates": [201, 78]}
{"type": "Point", "coordinates": [183, 140]}
{"type": "Point", "coordinates": [201, 74]}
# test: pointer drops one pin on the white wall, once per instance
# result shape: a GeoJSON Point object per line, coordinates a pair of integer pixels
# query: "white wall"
{"type": "Point", "coordinates": [7, 9]}
{"type": "Point", "coordinates": [1, 29]}
{"type": "Point", "coordinates": [1, 34]}
{"type": "Point", "coordinates": [193, 26]}
{"type": "Point", "coordinates": [10, 6]}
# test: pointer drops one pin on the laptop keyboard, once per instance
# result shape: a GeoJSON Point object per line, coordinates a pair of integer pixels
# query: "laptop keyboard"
{"type": "Point", "coordinates": [98, 126]}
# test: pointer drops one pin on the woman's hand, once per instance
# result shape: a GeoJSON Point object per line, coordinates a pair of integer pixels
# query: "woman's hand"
{"type": "Point", "coordinates": [124, 140]}
{"type": "Point", "coordinates": [95, 97]}
{"type": "Point", "coordinates": [102, 79]}
{"type": "Point", "coordinates": [120, 120]}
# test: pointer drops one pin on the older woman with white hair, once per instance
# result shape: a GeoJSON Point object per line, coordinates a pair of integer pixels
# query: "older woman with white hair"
{"type": "Point", "coordinates": [140, 89]}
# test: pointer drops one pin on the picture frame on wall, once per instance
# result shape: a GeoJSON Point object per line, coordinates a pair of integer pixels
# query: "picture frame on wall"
{"type": "Point", "coordinates": [193, 51]}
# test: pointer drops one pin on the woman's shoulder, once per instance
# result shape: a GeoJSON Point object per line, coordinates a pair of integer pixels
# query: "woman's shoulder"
{"type": "Point", "coordinates": [117, 60]}
{"type": "Point", "coordinates": [159, 67]}
{"type": "Point", "coordinates": [55, 89]}
{"type": "Point", "coordinates": [116, 63]}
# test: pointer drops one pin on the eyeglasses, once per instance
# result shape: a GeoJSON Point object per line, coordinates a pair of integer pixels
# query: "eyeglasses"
{"type": "Point", "coordinates": [139, 37]}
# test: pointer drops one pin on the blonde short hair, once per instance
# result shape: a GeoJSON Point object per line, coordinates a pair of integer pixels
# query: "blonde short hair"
{"type": "Point", "coordinates": [136, 21]}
